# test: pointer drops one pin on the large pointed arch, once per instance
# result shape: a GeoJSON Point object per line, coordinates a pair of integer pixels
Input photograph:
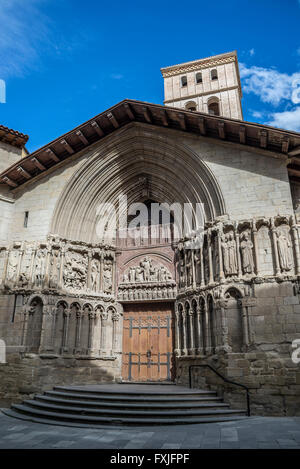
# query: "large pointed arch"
{"type": "Point", "coordinates": [175, 172]}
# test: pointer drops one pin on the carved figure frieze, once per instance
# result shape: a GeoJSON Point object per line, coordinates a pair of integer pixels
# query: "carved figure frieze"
{"type": "Point", "coordinates": [75, 270]}
{"type": "Point", "coordinates": [147, 271]}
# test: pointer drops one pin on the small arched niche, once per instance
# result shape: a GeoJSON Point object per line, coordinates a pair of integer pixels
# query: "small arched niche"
{"type": "Point", "coordinates": [34, 326]}
{"type": "Point", "coordinates": [234, 320]}
{"type": "Point", "coordinates": [191, 106]}
{"type": "Point", "coordinates": [213, 106]}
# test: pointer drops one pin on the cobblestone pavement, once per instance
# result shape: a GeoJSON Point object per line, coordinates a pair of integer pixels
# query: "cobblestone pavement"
{"type": "Point", "coordinates": [253, 432]}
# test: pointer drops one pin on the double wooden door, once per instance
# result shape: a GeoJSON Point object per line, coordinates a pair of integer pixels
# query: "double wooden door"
{"type": "Point", "coordinates": [148, 342]}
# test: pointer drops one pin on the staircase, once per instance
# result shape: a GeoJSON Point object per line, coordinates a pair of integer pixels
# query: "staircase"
{"type": "Point", "coordinates": [124, 404]}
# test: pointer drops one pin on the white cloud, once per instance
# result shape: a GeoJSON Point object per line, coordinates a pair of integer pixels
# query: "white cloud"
{"type": "Point", "coordinates": [270, 85]}
{"type": "Point", "coordinates": [257, 114]}
{"type": "Point", "coordinates": [23, 28]}
{"type": "Point", "coordinates": [289, 120]}
{"type": "Point", "coordinates": [252, 51]}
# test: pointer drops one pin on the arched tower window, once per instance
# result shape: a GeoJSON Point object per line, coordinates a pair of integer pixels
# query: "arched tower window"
{"type": "Point", "coordinates": [213, 106]}
{"type": "Point", "coordinates": [214, 74]}
{"type": "Point", "coordinates": [198, 77]}
{"type": "Point", "coordinates": [191, 106]}
{"type": "Point", "coordinates": [184, 81]}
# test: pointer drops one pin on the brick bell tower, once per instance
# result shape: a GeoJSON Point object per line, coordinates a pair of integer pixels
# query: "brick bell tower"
{"type": "Point", "coordinates": [211, 85]}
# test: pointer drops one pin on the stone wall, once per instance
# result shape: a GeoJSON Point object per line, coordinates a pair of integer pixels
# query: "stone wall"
{"type": "Point", "coordinates": [25, 374]}
{"type": "Point", "coordinates": [266, 324]}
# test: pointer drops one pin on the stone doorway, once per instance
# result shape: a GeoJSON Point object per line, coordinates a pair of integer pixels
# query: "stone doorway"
{"type": "Point", "coordinates": [148, 342]}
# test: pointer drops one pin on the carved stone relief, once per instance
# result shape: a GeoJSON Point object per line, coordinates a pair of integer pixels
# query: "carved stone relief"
{"type": "Point", "coordinates": [147, 271]}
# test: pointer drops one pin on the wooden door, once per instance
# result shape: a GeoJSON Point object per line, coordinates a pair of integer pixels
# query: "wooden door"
{"type": "Point", "coordinates": [148, 342]}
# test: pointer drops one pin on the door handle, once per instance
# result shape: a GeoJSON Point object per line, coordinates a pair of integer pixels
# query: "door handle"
{"type": "Point", "coordinates": [149, 354]}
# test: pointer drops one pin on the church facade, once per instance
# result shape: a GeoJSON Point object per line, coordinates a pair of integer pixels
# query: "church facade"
{"type": "Point", "coordinates": [145, 303]}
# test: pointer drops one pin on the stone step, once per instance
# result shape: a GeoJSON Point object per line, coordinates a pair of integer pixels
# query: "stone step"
{"type": "Point", "coordinates": [127, 420]}
{"type": "Point", "coordinates": [145, 413]}
{"type": "Point", "coordinates": [120, 392]}
{"type": "Point", "coordinates": [134, 398]}
{"type": "Point", "coordinates": [88, 405]}
{"type": "Point", "coordinates": [81, 424]}
{"type": "Point", "coordinates": [209, 401]}
{"type": "Point", "coordinates": [126, 405]}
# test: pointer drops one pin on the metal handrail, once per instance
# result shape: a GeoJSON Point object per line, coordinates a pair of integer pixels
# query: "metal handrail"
{"type": "Point", "coordinates": [224, 379]}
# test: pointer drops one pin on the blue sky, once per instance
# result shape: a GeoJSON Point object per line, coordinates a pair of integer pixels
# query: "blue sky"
{"type": "Point", "coordinates": [64, 61]}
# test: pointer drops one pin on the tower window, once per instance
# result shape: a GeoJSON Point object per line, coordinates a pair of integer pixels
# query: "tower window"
{"type": "Point", "coordinates": [214, 74]}
{"type": "Point", "coordinates": [26, 215]}
{"type": "Point", "coordinates": [191, 106]}
{"type": "Point", "coordinates": [198, 77]}
{"type": "Point", "coordinates": [213, 107]}
{"type": "Point", "coordinates": [183, 81]}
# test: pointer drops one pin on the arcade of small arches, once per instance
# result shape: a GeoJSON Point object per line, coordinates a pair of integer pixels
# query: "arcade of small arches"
{"type": "Point", "coordinates": [76, 328]}
{"type": "Point", "coordinates": [206, 325]}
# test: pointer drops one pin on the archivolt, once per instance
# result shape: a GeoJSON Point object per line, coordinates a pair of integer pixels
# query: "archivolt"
{"type": "Point", "coordinates": [175, 172]}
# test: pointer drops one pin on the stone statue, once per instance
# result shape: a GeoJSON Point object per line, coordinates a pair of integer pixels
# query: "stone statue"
{"type": "Point", "coordinates": [132, 274]}
{"type": "Point", "coordinates": [284, 251]}
{"type": "Point", "coordinates": [39, 268]}
{"type": "Point", "coordinates": [229, 254]}
{"type": "Point", "coordinates": [247, 254]}
{"type": "Point", "coordinates": [54, 269]}
{"type": "Point", "coordinates": [146, 265]}
{"type": "Point", "coordinates": [94, 275]}
{"type": "Point", "coordinates": [107, 277]}
{"type": "Point", "coordinates": [12, 266]}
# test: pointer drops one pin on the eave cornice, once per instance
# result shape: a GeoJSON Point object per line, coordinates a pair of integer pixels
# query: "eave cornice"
{"type": "Point", "coordinates": [250, 136]}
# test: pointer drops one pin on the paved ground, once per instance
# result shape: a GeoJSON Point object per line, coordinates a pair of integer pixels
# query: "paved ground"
{"type": "Point", "coordinates": [253, 432]}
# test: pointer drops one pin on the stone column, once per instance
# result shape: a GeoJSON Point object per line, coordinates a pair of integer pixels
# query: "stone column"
{"type": "Point", "coordinates": [45, 329]}
{"type": "Point", "coordinates": [246, 304]}
{"type": "Point", "coordinates": [92, 317]}
{"type": "Point", "coordinates": [47, 267]}
{"type": "Point", "coordinates": [221, 269]}
{"type": "Point", "coordinates": [104, 317]}
{"type": "Point", "coordinates": [191, 350]}
{"type": "Point", "coordinates": [184, 333]}
{"type": "Point", "coordinates": [193, 268]}
{"type": "Point", "coordinates": [61, 271]}
{"type": "Point", "coordinates": [198, 331]}
{"type": "Point", "coordinates": [101, 271]}
{"type": "Point", "coordinates": [88, 280]}
{"type": "Point", "coordinates": [202, 267]}
{"type": "Point", "coordinates": [185, 271]}
{"type": "Point", "coordinates": [221, 305]}
{"type": "Point", "coordinates": [66, 319]}
{"type": "Point", "coordinates": [274, 238]}
{"type": "Point", "coordinates": [77, 348]}
{"type": "Point", "coordinates": [255, 245]}
{"type": "Point", "coordinates": [113, 273]}
{"type": "Point", "coordinates": [53, 327]}
{"type": "Point", "coordinates": [207, 329]}
{"type": "Point", "coordinates": [238, 254]}
{"type": "Point", "coordinates": [177, 333]}
{"type": "Point", "coordinates": [210, 262]}
{"type": "Point", "coordinates": [25, 325]}
{"type": "Point", "coordinates": [115, 320]}
{"type": "Point", "coordinates": [295, 238]}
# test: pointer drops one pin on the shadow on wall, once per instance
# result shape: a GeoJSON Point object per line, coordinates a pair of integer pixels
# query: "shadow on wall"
{"type": "Point", "coordinates": [69, 360]}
